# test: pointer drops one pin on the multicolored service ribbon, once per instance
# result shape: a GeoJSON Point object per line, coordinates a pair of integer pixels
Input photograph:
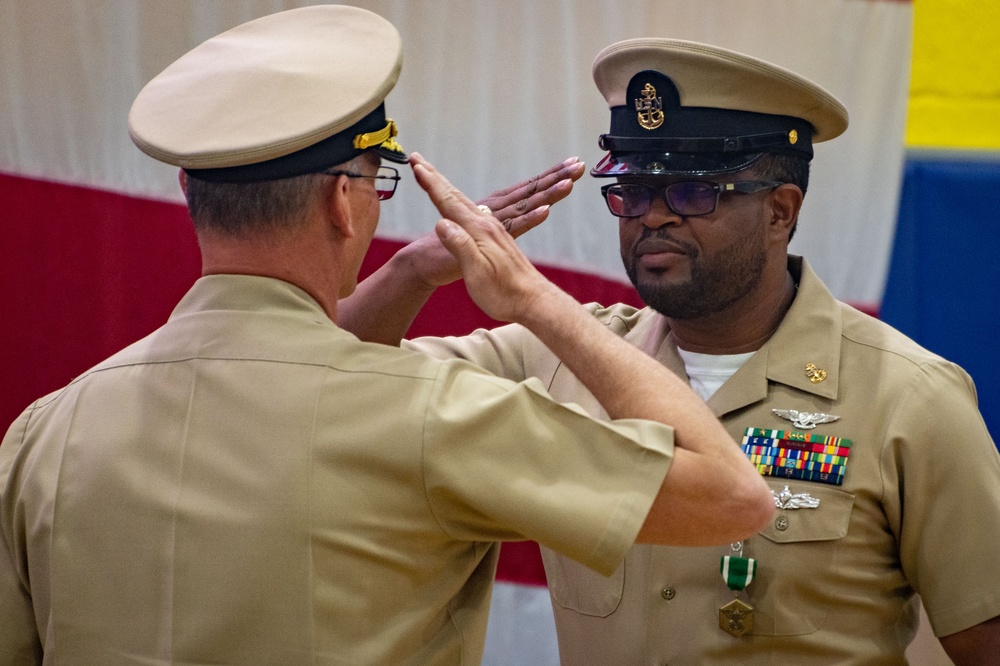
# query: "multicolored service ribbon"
{"type": "Point", "coordinates": [793, 454]}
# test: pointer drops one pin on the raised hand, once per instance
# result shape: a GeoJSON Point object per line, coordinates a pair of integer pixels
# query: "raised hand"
{"type": "Point", "coordinates": [498, 276]}
{"type": "Point", "coordinates": [525, 205]}
{"type": "Point", "coordinates": [520, 208]}
{"type": "Point", "coordinates": [384, 305]}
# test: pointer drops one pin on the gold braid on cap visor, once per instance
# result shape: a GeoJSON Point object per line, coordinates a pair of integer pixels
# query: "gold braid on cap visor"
{"type": "Point", "coordinates": [383, 138]}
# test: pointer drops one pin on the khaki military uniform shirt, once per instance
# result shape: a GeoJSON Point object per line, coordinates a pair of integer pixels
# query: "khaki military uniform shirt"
{"type": "Point", "coordinates": [918, 511]}
{"type": "Point", "coordinates": [252, 485]}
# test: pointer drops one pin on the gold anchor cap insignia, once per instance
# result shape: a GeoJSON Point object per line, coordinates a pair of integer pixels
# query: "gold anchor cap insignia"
{"type": "Point", "coordinates": [649, 107]}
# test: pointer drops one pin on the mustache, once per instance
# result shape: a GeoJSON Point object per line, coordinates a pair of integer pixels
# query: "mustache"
{"type": "Point", "coordinates": [662, 236]}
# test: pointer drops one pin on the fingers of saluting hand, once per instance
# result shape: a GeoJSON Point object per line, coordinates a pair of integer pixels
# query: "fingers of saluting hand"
{"type": "Point", "coordinates": [448, 199]}
{"type": "Point", "coordinates": [534, 195]}
{"type": "Point", "coordinates": [569, 169]}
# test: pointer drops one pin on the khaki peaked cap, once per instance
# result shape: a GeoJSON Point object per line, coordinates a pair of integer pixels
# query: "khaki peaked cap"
{"type": "Point", "coordinates": [290, 93]}
{"type": "Point", "coordinates": [686, 107]}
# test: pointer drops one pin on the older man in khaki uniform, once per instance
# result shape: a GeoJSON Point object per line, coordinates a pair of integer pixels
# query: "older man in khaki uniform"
{"type": "Point", "coordinates": [886, 481]}
{"type": "Point", "coordinates": [251, 484]}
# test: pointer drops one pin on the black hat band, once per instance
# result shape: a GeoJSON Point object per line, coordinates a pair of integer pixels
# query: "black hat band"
{"type": "Point", "coordinates": [337, 149]}
{"type": "Point", "coordinates": [773, 141]}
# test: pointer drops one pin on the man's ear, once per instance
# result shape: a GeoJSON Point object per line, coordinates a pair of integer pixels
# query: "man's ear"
{"type": "Point", "coordinates": [182, 178]}
{"type": "Point", "coordinates": [786, 201]}
{"type": "Point", "coordinates": [337, 206]}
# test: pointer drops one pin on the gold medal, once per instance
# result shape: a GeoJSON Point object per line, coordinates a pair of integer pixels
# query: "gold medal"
{"type": "Point", "coordinates": [736, 618]}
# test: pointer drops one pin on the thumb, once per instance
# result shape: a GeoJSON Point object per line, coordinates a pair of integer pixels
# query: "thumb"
{"type": "Point", "coordinates": [455, 239]}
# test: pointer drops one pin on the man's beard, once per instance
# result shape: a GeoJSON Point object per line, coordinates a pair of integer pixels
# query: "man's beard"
{"type": "Point", "coordinates": [713, 286]}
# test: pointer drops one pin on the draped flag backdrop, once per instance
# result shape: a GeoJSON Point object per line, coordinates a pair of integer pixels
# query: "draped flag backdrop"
{"type": "Point", "coordinates": [97, 247]}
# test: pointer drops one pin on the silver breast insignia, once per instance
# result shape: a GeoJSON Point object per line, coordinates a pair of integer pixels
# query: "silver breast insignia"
{"type": "Point", "coordinates": [805, 420]}
{"type": "Point", "coordinates": [787, 500]}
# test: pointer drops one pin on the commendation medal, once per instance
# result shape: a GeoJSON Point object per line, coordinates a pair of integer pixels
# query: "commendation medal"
{"type": "Point", "coordinates": [736, 617]}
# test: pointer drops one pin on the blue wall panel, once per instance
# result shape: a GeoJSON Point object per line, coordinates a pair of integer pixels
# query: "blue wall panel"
{"type": "Point", "coordinates": [943, 288]}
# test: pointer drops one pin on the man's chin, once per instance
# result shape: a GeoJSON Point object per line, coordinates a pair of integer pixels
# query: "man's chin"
{"type": "Point", "coordinates": [676, 301]}
{"type": "Point", "coordinates": [662, 280]}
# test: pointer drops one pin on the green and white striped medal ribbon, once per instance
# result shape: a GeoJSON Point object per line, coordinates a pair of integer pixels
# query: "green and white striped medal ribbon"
{"type": "Point", "coordinates": [738, 571]}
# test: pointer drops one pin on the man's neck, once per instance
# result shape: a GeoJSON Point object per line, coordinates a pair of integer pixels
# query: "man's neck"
{"type": "Point", "coordinates": [743, 327]}
{"type": "Point", "coordinates": [291, 259]}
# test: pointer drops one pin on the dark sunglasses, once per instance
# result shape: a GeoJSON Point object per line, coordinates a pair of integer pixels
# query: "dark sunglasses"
{"type": "Point", "coordinates": [385, 180]}
{"type": "Point", "coordinates": [687, 198]}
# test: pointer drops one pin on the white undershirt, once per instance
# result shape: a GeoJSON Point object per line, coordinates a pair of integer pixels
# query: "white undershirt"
{"type": "Point", "coordinates": [710, 371]}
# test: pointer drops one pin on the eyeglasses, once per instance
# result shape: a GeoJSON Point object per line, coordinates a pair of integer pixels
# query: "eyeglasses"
{"type": "Point", "coordinates": [687, 198]}
{"type": "Point", "coordinates": [385, 180]}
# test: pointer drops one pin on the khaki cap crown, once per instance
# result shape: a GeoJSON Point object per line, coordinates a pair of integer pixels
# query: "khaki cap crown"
{"type": "Point", "coordinates": [271, 87]}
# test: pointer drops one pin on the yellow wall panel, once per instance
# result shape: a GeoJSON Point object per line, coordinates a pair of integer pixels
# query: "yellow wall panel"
{"type": "Point", "coordinates": [955, 78]}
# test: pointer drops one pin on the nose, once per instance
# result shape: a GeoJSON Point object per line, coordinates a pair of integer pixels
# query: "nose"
{"type": "Point", "coordinates": [659, 215]}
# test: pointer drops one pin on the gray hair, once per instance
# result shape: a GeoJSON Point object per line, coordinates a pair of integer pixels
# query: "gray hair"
{"type": "Point", "coordinates": [244, 209]}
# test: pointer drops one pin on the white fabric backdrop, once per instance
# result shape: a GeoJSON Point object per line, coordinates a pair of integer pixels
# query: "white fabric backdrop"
{"type": "Point", "coordinates": [491, 91]}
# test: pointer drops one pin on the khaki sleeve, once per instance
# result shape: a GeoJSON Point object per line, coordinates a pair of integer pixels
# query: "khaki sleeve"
{"type": "Point", "coordinates": [504, 461]}
{"type": "Point", "coordinates": [499, 351]}
{"type": "Point", "coordinates": [19, 643]}
{"type": "Point", "coordinates": [946, 468]}
{"type": "Point", "coordinates": [510, 351]}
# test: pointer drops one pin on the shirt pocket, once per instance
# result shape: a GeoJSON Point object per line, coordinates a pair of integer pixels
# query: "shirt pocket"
{"type": "Point", "coordinates": [797, 557]}
{"type": "Point", "coordinates": [580, 589]}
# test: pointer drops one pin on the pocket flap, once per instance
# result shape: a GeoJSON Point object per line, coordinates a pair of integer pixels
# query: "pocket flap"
{"type": "Point", "coordinates": [829, 520]}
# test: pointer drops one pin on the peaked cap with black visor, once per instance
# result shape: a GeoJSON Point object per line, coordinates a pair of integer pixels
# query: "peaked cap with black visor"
{"type": "Point", "coordinates": [681, 108]}
{"type": "Point", "coordinates": [288, 94]}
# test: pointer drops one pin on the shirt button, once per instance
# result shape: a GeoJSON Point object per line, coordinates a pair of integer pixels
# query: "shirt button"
{"type": "Point", "coordinates": [668, 593]}
{"type": "Point", "coordinates": [781, 524]}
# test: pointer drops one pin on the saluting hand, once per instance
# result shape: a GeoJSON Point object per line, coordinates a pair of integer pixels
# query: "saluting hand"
{"type": "Point", "coordinates": [498, 277]}
{"type": "Point", "coordinates": [520, 208]}
{"type": "Point", "coordinates": [524, 206]}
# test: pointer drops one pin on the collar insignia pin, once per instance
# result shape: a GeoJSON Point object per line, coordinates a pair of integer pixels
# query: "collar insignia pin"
{"type": "Point", "coordinates": [815, 375]}
{"type": "Point", "coordinates": [805, 420]}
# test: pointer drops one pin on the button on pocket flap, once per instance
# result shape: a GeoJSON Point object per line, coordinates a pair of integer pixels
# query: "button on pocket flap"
{"type": "Point", "coordinates": [799, 518]}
